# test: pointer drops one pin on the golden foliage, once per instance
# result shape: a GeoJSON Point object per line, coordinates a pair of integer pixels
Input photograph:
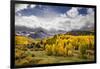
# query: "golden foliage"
{"type": "Point", "coordinates": [58, 45]}
{"type": "Point", "coordinates": [23, 40]}
{"type": "Point", "coordinates": [64, 45]}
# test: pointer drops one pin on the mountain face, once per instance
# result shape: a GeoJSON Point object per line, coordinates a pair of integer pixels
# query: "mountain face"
{"type": "Point", "coordinates": [39, 29]}
{"type": "Point", "coordinates": [36, 32]}
{"type": "Point", "coordinates": [33, 33]}
{"type": "Point", "coordinates": [38, 35]}
{"type": "Point", "coordinates": [78, 32]}
{"type": "Point", "coordinates": [41, 33]}
{"type": "Point", "coordinates": [23, 28]}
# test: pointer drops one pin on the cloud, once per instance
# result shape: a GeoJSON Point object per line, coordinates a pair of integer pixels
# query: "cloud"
{"type": "Point", "coordinates": [73, 12]}
{"type": "Point", "coordinates": [28, 21]}
{"type": "Point", "coordinates": [67, 22]}
{"type": "Point", "coordinates": [32, 6]}
{"type": "Point", "coordinates": [90, 11]}
{"type": "Point", "coordinates": [19, 7]}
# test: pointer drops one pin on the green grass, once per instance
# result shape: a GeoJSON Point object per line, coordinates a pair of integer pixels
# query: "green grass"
{"type": "Point", "coordinates": [41, 57]}
{"type": "Point", "coordinates": [45, 59]}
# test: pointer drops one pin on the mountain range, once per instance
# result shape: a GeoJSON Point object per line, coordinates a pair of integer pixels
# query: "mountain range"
{"type": "Point", "coordinates": [41, 33]}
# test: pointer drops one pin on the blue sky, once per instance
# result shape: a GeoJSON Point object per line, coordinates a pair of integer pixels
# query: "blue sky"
{"type": "Point", "coordinates": [53, 17]}
{"type": "Point", "coordinates": [39, 10]}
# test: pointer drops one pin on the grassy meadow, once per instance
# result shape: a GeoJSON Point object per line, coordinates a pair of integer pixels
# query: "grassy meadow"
{"type": "Point", "coordinates": [61, 48]}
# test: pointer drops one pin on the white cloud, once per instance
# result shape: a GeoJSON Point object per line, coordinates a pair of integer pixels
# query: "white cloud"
{"type": "Point", "coordinates": [63, 15]}
{"type": "Point", "coordinates": [62, 22]}
{"type": "Point", "coordinates": [32, 6]}
{"type": "Point", "coordinates": [19, 7]}
{"type": "Point", "coordinates": [73, 12]}
{"type": "Point", "coordinates": [90, 11]}
{"type": "Point", "coordinates": [28, 21]}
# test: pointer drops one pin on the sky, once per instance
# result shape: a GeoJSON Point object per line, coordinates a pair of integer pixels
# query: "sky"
{"type": "Point", "coordinates": [53, 17]}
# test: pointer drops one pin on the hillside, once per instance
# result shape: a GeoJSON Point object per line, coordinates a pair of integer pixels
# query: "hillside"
{"type": "Point", "coordinates": [60, 48]}
{"type": "Point", "coordinates": [80, 33]}
{"type": "Point", "coordinates": [23, 40]}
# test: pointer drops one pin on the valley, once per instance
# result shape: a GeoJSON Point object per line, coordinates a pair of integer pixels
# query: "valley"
{"type": "Point", "coordinates": [60, 48]}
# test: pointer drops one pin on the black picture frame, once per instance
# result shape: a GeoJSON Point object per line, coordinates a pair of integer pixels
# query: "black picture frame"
{"type": "Point", "coordinates": [12, 34]}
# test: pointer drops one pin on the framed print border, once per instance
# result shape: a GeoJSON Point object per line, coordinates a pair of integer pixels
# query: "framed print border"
{"type": "Point", "coordinates": [12, 34]}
